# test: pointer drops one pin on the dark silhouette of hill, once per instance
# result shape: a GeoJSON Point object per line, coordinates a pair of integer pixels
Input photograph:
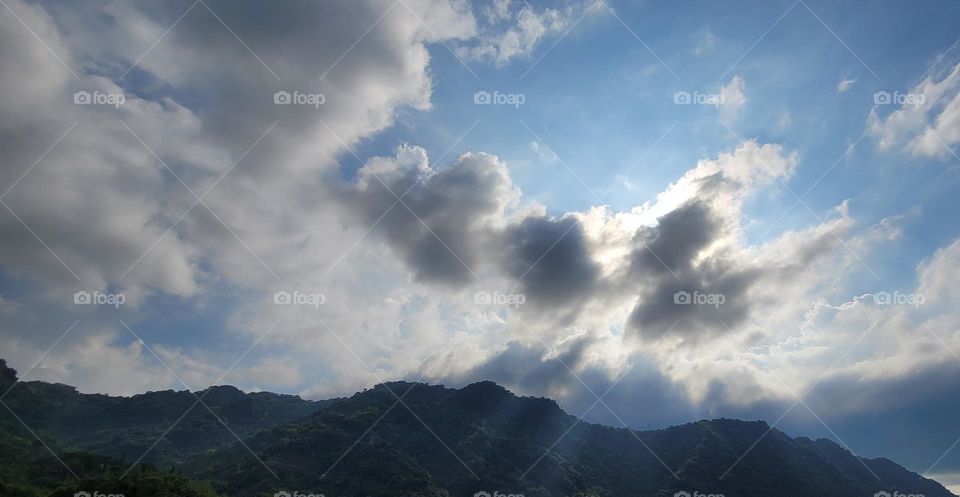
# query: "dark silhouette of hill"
{"type": "Point", "coordinates": [130, 426]}
{"type": "Point", "coordinates": [437, 442]}
{"type": "Point", "coordinates": [524, 445]}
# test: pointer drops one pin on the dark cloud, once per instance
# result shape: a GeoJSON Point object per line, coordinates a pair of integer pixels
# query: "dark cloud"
{"type": "Point", "coordinates": [709, 299]}
{"type": "Point", "coordinates": [446, 227]}
{"type": "Point", "coordinates": [679, 236]}
{"type": "Point", "coordinates": [439, 228]}
{"type": "Point", "coordinates": [551, 261]}
{"type": "Point", "coordinates": [681, 295]}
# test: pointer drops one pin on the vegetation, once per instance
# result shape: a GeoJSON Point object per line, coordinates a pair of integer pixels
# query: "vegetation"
{"type": "Point", "coordinates": [437, 442]}
{"type": "Point", "coordinates": [130, 426]}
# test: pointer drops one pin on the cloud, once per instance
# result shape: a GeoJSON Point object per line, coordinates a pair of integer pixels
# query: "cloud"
{"type": "Point", "coordinates": [544, 153]}
{"type": "Point", "coordinates": [927, 122]}
{"type": "Point", "coordinates": [845, 84]}
{"type": "Point", "coordinates": [441, 226]}
{"type": "Point", "coordinates": [692, 274]}
{"type": "Point", "coordinates": [513, 31]}
{"type": "Point", "coordinates": [733, 98]}
{"type": "Point", "coordinates": [707, 43]}
{"type": "Point", "coordinates": [784, 120]}
{"type": "Point", "coordinates": [118, 217]}
{"type": "Point", "coordinates": [112, 199]}
{"type": "Point", "coordinates": [551, 261]}
{"type": "Point", "coordinates": [496, 10]}
{"type": "Point", "coordinates": [683, 235]}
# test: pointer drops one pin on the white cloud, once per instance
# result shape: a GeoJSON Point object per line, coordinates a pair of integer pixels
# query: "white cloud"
{"type": "Point", "coordinates": [926, 123]}
{"type": "Point", "coordinates": [707, 42]}
{"type": "Point", "coordinates": [845, 84]}
{"type": "Point", "coordinates": [496, 10]}
{"type": "Point", "coordinates": [783, 122]}
{"type": "Point", "coordinates": [514, 31]}
{"type": "Point", "coordinates": [733, 98]}
{"type": "Point", "coordinates": [100, 199]}
{"type": "Point", "coordinates": [544, 153]}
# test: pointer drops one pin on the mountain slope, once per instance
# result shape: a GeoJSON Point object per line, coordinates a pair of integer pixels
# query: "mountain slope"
{"type": "Point", "coordinates": [437, 442]}
{"type": "Point", "coordinates": [127, 427]}
{"type": "Point", "coordinates": [28, 469]}
{"type": "Point", "coordinates": [501, 443]}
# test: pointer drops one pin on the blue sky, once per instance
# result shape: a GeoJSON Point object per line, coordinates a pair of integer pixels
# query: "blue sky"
{"type": "Point", "coordinates": [595, 200]}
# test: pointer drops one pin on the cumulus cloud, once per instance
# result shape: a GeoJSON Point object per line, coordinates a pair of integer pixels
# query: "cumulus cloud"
{"type": "Point", "coordinates": [141, 198]}
{"type": "Point", "coordinates": [926, 121]}
{"type": "Point", "coordinates": [693, 274]}
{"type": "Point", "coordinates": [443, 220]}
{"type": "Point", "coordinates": [514, 29]}
{"type": "Point", "coordinates": [550, 260]}
{"type": "Point", "coordinates": [112, 186]}
{"type": "Point", "coordinates": [733, 98]}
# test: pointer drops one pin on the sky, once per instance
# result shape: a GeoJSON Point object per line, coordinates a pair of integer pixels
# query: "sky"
{"type": "Point", "coordinates": [684, 209]}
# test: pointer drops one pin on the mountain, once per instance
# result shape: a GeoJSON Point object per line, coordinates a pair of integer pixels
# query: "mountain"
{"type": "Point", "coordinates": [29, 468]}
{"type": "Point", "coordinates": [495, 438]}
{"type": "Point", "coordinates": [442, 442]}
{"type": "Point", "coordinates": [127, 427]}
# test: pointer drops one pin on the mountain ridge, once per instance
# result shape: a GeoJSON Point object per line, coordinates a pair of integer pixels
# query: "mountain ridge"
{"type": "Point", "coordinates": [434, 441]}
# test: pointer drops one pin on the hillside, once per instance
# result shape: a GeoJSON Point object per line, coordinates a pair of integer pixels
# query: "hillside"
{"type": "Point", "coordinates": [127, 427]}
{"type": "Point", "coordinates": [497, 437]}
{"type": "Point", "coordinates": [371, 445]}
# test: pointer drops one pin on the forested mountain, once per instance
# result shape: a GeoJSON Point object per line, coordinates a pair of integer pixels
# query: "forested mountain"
{"type": "Point", "coordinates": [436, 442]}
